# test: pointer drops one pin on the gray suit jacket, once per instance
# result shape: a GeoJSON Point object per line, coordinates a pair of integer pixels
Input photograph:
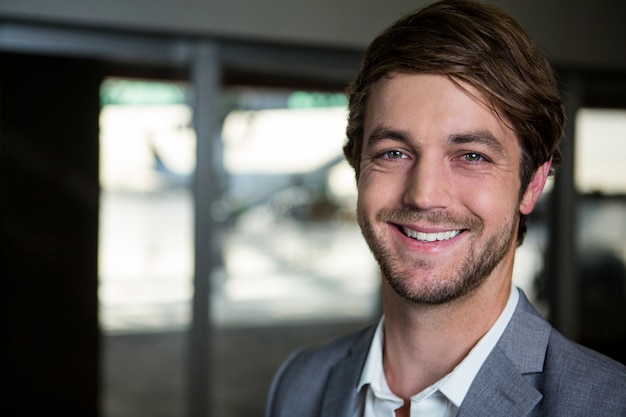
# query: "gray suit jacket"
{"type": "Point", "coordinates": [532, 371]}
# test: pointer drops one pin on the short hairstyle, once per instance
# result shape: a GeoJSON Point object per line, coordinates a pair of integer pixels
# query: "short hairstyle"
{"type": "Point", "coordinates": [480, 45]}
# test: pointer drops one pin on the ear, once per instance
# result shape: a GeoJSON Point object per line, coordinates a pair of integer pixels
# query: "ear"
{"type": "Point", "coordinates": [534, 189]}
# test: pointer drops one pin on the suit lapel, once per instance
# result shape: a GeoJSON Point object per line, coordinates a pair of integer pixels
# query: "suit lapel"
{"type": "Point", "coordinates": [500, 387]}
{"type": "Point", "coordinates": [341, 394]}
{"type": "Point", "coordinates": [499, 390]}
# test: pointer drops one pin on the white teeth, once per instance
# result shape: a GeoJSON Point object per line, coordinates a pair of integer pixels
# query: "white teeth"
{"type": "Point", "coordinates": [430, 237]}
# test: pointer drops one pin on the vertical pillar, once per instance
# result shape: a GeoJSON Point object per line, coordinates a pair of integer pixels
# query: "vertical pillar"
{"type": "Point", "coordinates": [205, 79]}
{"type": "Point", "coordinates": [562, 253]}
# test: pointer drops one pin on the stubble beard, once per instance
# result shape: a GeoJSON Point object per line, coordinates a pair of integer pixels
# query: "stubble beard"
{"type": "Point", "coordinates": [460, 279]}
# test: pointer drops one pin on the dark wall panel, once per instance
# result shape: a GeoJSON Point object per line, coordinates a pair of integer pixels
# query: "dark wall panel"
{"type": "Point", "coordinates": [49, 111]}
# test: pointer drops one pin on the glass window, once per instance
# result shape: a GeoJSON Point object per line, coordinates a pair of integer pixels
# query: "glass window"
{"type": "Point", "coordinates": [601, 235]}
{"type": "Point", "coordinates": [147, 157]}
{"type": "Point", "coordinates": [292, 249]}
{"type": "Point", "coordinates": [296, 270]}
{"type": "Point", "coordinates": [600, 150]}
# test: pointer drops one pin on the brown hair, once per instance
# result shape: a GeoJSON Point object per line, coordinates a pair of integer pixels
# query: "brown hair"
{"type": "Point", "coordinates": [484, 47]}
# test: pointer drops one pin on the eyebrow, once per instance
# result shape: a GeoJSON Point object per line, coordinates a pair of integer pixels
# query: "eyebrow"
{"type": "Point", "coordinates": [382, 133]}
{"type": "Point", "coordinates": [483, 137]}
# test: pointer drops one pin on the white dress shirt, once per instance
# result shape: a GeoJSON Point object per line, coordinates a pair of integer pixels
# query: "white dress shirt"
{"type": "Point", "coordinates": [444, 397]}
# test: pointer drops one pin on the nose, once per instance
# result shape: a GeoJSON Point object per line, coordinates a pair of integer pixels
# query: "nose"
{"type": "Point", "coordinates": [428, 185]}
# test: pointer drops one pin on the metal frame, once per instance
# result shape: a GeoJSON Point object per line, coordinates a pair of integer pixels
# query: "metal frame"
{"type": "Point", "coordinates": [562, 248]}
{"type": "Point", "coordinates": [205, 78]}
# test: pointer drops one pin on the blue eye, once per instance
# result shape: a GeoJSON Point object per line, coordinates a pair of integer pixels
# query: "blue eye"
{"type": "Point", "coordinates": [393, 155]}
{"type": "Point", "coordinates": [473, 157]}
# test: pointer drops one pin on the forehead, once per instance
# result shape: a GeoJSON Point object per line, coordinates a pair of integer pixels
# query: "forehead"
{"type": "Point", "coordinates": [432, 105]}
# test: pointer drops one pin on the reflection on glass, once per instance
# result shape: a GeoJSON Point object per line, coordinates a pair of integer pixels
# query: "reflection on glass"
{"type": "Point", "coordinates": [292, 248]}
{"type": "Point", "coordinates": [600, 150]}
{"type": "Point", "coordinates": [147, 156]}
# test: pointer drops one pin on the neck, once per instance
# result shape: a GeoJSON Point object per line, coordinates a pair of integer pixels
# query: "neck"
{"type": "Point", "coordinates": [423, 343]}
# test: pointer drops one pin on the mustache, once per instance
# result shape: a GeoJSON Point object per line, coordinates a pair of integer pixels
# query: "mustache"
{"type": "Point", "coordinates": [408, 215]}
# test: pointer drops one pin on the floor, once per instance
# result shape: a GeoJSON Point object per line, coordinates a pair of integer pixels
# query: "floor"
{"type": "Point", "coordinates": [145, 373]}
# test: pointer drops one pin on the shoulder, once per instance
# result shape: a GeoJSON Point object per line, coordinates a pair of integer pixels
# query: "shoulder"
{"type": "Point", "coordinates": [577, 380]}
{"type": "Point", "coordinates": [300, 382]}
{"type": "Point", "coordinates": [572, 379]}
{"type": "Point", "coordinates": [323, 356]}
{"type": "Point", "coordinates": [584, 378]}
{"type": "Point", "coordinates": [581, 361]}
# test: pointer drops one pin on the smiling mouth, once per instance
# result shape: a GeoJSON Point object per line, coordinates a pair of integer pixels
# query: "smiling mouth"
{"type": "Point", "coordinates": [429, 237]}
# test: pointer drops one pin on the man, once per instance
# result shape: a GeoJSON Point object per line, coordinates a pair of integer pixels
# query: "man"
{"type": "Point", "coordinates": [454, 125]}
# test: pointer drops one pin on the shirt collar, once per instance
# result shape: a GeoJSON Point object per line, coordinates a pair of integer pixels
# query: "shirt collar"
{"type": "Point", "coordinates": [373, 370]}
{"type": "Point", "coordinates": [454, 385]}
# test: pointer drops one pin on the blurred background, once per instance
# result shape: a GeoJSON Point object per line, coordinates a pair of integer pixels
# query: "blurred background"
{"type": "Point", "coordinates": [177, 217]}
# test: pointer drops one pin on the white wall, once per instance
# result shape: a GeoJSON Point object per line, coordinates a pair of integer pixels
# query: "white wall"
{"type": "Point", "coordinates": [573, 32]}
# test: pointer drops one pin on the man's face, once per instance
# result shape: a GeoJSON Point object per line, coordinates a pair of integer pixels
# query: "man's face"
{"type": "Point", "coordinates": [439, 186]}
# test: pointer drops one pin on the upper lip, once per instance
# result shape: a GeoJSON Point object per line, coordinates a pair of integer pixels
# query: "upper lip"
{"type": "Point", "coordinates": [429, 229]}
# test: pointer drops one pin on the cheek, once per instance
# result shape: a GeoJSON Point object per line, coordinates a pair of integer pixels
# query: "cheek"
{"type": "Point", "coordinates": [376, 191]}
{"type": "Point", "coordinates": [491, 201]}
{"type": "Point", "coordinates": [367, 200]}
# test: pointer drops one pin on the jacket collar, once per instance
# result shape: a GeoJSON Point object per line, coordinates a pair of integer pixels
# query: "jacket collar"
{"type": "Point", "coordinates": [500, 387]}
